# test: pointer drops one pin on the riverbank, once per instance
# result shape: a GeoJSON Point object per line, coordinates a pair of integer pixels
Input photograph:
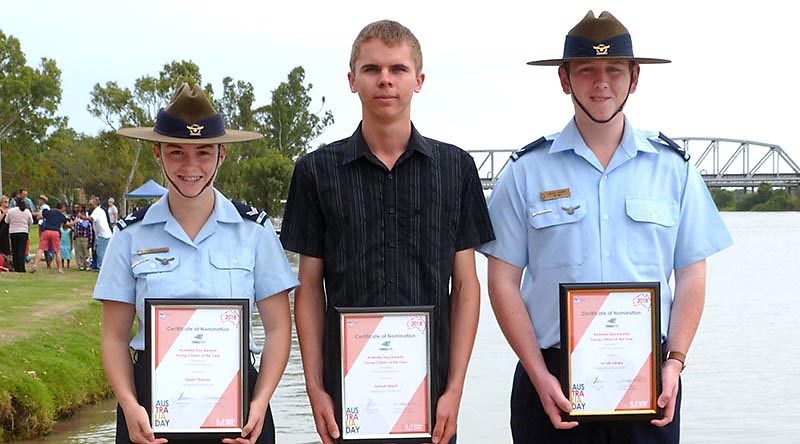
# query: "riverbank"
{"type": "Point", "coordinates": [50, 363]}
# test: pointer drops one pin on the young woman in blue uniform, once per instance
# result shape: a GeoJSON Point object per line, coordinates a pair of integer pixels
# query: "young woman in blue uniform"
{"type": "Point", "coordinates": [192, 243]}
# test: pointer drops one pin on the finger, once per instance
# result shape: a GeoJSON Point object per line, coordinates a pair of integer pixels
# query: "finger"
{"type": "Point", "coordinates": [669, 413]}
{"type": "Point", "coordinates": [438, 431]}
{"type": "Point", "coordinates": [333, 429]}
{"type": "Point", "coordinates": [322, 430]}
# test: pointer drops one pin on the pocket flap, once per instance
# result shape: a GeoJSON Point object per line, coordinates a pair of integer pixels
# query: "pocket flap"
{"type": "Point", "coordinates": [243, 259]}
{"type": "Point", "coordinates": [652, 211]}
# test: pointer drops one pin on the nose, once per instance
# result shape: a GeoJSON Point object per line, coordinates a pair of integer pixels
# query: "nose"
{"type": "Point", "coordinates": [385, 78]}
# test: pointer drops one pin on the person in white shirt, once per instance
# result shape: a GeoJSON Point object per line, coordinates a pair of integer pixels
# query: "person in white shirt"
{"type": "Point", "coordinates": [113, 212]}
{"type": "Point", "coordinates": [102, 228]}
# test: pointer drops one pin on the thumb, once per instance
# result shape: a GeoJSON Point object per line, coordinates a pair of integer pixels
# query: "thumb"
{"type": "Point", "coordinates": [563, 403]}
{"type": "Point", "coordinates": [333, 429]}
{"type": "Point", "coordinates": [664, 399]}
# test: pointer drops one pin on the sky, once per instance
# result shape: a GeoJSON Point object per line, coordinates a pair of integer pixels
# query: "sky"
{"type": "Point", "coordinates": [733, 73]}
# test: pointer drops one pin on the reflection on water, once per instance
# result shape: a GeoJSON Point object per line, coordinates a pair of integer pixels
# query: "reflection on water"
{"type": "Point", "coordinates": [739, 386]}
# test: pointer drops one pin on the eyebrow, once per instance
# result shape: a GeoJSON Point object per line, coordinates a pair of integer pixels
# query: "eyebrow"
{"type": "Point", "coordinates": [207, 145]}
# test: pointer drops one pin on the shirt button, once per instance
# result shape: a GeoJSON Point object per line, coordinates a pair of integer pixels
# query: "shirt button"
{"type": "Point", "coordinates": [152, 265]}
{"type": "Point", "coordinates": [390, 176]}
{"type": "Point", "coordinates": [392, 280]}
{"type": "Point", "coordinates": [194, 278]}
{"type": "Point", "coordinates": [607, 254]}
{"type": "Point", "coordinates": [605, 217]}
{"type": "Point", "coordinates": [655, 214]}
{"type": "Point", "coordinates": [391, 244]}
{"type": "Point", "coordinates": [391, 211]}
{"type": "Point", "coordinates": [605, 177]}
{"type": "Point", "coordinates": [236, 261]}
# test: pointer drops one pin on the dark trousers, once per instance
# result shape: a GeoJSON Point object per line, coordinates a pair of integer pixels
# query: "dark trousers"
{"type": "Point", "coordinates": [139, 374]}
{"type": "Point", "coordinates": [530, 424]}
{"type": "Point", "coordinates": [18, 243]}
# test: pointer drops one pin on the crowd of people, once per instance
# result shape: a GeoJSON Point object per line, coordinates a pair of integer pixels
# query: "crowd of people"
{"type": "Point", "coordinates": [80, 232]}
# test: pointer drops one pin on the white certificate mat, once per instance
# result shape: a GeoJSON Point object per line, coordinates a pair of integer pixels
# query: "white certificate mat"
{"type": "Point", "coordinates": [613, 342]}
{"type": "Point", "coordinates": [385, 375]}
{"type": "Point", "coordinates": [196, 367]}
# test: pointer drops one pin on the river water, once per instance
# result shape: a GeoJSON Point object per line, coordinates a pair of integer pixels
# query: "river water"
{"type": "Point", "coordinates": [741, 384]}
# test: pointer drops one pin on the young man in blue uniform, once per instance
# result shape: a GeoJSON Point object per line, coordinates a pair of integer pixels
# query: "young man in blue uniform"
{"type": "Point", "coordinates": [192, 243]}
{"type": "Point", "coordinates": [599, 202]}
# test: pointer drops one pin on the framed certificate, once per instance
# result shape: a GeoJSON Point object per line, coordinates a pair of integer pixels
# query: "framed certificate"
{"type": "Point", "coordinates": [386, 375]}
{"type": "Point", "coordinates": [198, 351]}
{"type": "Point", "coordinates": [611, 350]}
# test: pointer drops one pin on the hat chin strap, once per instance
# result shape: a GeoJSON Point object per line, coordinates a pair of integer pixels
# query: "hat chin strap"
{"type": "Point", "coordinates": [213, 176]}
{"type": "Point", "coordinates": [586, 111]}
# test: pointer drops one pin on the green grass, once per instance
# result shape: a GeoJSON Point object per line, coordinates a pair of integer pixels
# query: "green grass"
{"type": "Point", "coordinates": [50, 362]}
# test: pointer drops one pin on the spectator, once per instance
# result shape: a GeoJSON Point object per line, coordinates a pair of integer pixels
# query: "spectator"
{"type": "Point", "coordinates": [50, 235]}
{"type": "Point", "coordinates": [113, 212]}
{"type": "Point", "coordinates": [5, 240]}
{"type": "Point", "coordinates": [19, 220]}
{"type": "Point", "coordinates": [41, 207]}
{"type": "Point", "coordinates": [102, 228]}
{"type": "Point", "coordinates": [66, 245]}
{"type": "Point", "coordinates": [83, 236]}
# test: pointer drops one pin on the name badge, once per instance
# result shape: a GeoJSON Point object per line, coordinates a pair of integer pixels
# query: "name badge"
{"type": "Point", "coordinates": [555, 194]}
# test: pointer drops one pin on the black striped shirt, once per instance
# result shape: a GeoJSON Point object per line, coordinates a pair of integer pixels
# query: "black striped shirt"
{"type": "Point", "coordinates": [387, 237]}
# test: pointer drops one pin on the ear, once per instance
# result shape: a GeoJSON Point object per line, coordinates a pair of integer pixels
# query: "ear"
{"type": "Point", "coordinates": [351, 79]}
{"type": "Point", "coordinates": [634, 77]}
{"type": "Point", "coordinates": [223, 153]}
{"type": "Point", "coordinates": [157, 151]}
{"type": "Point", "coordinates": [563, 77]}
{"type": "Point", "coordinates": [420, 80]}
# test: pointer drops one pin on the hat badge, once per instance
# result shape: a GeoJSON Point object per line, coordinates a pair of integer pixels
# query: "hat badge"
{"type": "Point", "coordinates": [195, 129]}
{"type": "Point", "coordinates": [601, 49]}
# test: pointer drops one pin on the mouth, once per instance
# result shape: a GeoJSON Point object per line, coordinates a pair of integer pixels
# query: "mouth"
{"type": "Point", "coordinates": [190, 179]}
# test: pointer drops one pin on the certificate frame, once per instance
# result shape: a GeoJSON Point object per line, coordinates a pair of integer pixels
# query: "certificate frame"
{"type": "Point", "coordinates": [611, 350]}
{"type": "Point", "coordinates": [216, 368]}
{"type": "Point", "coordinates": [350, 416]}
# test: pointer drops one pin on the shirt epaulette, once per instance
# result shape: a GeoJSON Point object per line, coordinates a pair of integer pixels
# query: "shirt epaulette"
{"type": "Point", "coordinates": [251, 213]}
{"type": "Point", "coordinates": [527, 148]}
{"type": "Point", "coordinates": [672, 145]}
{"type": "Point", "coordinates": [132, 218]}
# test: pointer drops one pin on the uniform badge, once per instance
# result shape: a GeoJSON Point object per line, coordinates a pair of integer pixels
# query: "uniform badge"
{"type": "Point", "coordinates": [570, 210]}
{"type": "Point", "coordinates": [152, 250]}
{"type": "Point", "coordinates": [555, 194]}
{"type": "Point", "coordinates": [601, 49]}
{"type": "Point", "coordinates": [195, 129]}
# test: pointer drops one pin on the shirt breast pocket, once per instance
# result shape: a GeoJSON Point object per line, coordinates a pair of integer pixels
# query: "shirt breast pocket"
{"type": "Point", "coordinates": [653, 229]}
{"type": "Point", "coordinates": [153, 275]}
{"type": "Point", "coordinates": [233, 273]}
{"type": "Point", "coordinates": [556, 238]}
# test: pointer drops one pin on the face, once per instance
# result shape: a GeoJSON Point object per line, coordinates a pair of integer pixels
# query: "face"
{"type": "Point", "coordinates": [189, 167]}
{"type": "Point", "coordinates": [76, 209]}
{"type": "Point", "coordinates": [385, 79]}
{"type": "Point", "coordinates": [4, 203]}
{"type": "Point", "coordinates": [600, 85]}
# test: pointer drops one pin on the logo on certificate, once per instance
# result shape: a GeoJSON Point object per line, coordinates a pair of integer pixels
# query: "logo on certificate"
{"type": "Point", "coordinates": [642, 300]}
{"type": "Point", "coordinates": [417, 322]}
{"type": "Point", "coordinates": [231, 316]}
{"type": "Point", "coordinates": [351, 423]}
{"type": "Point", "coordinates": [161, 413]}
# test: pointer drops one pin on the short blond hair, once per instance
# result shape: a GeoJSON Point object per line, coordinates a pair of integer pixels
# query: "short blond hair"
{"type": "Point", "coordinates": [391, 33]}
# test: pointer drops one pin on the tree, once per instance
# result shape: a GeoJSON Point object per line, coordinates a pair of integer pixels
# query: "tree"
{"type": "Point", "coordinates": [724, 199]}
{"type": "Point", "coordinates": [29, 97]}
{"type": "Point", "coordinates": [287, 123]}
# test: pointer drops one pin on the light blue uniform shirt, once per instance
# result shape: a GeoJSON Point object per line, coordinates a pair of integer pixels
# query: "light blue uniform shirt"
{"type": "Point", "coordinates": [647, 213]}
{"type": "Point", "coordinates": [230, 257]}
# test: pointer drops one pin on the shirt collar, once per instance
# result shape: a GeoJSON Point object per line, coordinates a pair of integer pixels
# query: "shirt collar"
{"type": "Point", "coordinates": [632, 141]}
{"type": "Point", "coordinates": [357, 147]}
{"type": "Point", "coordinates": [224, 210]}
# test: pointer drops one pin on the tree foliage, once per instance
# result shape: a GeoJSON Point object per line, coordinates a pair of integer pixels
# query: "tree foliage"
{"type": "Point", "coordinates": [47, 157]}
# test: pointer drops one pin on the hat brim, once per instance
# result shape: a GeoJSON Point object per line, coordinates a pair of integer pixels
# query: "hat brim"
{"type": "Point", "coordinates": [230, 136]}
{"type": "Point", "coordinates": [557, 62]}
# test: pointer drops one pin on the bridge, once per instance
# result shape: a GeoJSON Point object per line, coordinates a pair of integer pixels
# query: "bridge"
{"type": "Point", "coordinates": [723, 163]}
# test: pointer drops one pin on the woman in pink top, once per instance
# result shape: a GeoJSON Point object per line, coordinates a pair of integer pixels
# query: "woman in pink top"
{"type": "Point", "coordinates": [19, 220]}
